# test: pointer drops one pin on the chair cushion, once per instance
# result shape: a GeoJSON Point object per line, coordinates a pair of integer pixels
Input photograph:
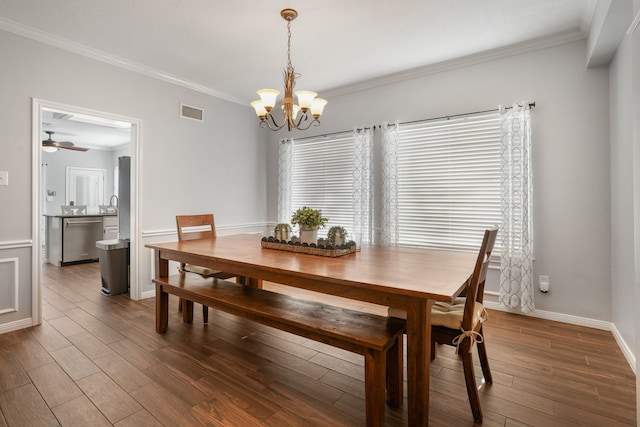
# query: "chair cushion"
{"type": "Point", "coordinates": [447, 315]}
{"type": "Point", "coordinates": [203, 271]}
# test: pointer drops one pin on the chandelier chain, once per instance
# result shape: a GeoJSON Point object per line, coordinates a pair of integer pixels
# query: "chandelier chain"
{"type": "Point", "coordinates": [289, 44]}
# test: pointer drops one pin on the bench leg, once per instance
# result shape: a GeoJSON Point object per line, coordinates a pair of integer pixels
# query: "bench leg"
{"type": "Point", "coordinates": [187, 311]}
{"type": "Point", "coordinates": [374, 383]}
{"type": "Point", "coordinates": [249, 281]}
{"type": "Point", "coordinates": [395, 368]}
{"type": "Point", "coordinates": [162, 309]}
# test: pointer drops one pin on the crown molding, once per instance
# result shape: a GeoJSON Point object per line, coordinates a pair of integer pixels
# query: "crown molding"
{"type": "Point", "coordinates": [466, 61]}
{"type": "Point", "coordinates": [98, 55]}
{"type": "Point", "coordinates": [80, 49]}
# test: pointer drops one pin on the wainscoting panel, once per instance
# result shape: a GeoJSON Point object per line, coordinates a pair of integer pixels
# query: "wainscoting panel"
{"type": "Point", "coordinates": [16, 284]}
{"type": "Point", "coordinates": [9, 279]}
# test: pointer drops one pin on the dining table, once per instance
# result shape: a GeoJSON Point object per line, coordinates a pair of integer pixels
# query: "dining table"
{"type": "Point", "coordinates": [406, 278]}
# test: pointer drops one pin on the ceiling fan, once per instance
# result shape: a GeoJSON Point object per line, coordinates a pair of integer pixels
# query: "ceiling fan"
{"type": "Point", "coordinates": [50, 145]}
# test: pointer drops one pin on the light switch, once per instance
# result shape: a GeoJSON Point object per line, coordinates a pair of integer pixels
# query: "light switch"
{"type": "Point", "coordinates": [4, 178]}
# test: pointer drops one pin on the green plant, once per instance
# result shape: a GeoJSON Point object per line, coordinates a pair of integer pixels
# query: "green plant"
{"type": "Point", "coordinates": [335, 231]}
{"type": "Point", "coordinates": [308, 218]}
{"type": "Point", "coordinates": [282, 231]}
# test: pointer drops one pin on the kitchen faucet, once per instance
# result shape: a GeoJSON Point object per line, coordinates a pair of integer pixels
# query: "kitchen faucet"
{"type": "Point", "coordinates": [111, 200]}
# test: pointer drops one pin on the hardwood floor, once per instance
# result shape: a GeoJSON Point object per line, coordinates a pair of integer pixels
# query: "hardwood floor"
{"type": "Point", "coordinates": [97, 360]}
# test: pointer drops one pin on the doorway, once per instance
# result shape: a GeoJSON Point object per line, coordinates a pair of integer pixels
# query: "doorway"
{"type": "Point", "coordinates": [45, 196]}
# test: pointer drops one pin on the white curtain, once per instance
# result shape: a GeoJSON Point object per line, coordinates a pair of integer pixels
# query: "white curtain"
{"type": "Point", "coordinates": [285, 165]}
{"type": "Point", "coordinates": [389, 236]}
{"type": "Point", "coordinates": [362, 185]}
{"type": "Point", "coordinates": [516, 277]}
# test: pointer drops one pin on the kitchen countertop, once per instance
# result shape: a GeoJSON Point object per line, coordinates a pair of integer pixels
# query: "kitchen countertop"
{"type": "Point", "coordinates": [60, 215]}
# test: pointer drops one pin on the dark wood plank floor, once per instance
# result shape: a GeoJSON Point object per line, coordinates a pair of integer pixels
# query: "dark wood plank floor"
{"type": "Point", "coordinates": [97, 360]}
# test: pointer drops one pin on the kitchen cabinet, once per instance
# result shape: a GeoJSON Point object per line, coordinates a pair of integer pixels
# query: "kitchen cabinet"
{"type": "Point", "coordinates": [72, 238]}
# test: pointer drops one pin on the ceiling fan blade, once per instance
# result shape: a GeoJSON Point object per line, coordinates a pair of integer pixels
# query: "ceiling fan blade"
{"type": "Point", "coordinates": [67, 145]}
{"type": "Point", "coordinates": [74, 148]}
{"type": "Point", "coordinates": [64, 144]}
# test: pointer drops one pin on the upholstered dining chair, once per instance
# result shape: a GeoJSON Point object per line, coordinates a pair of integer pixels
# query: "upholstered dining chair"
{"type": "Point", "coordinates": [459, 324]}
{"type": "Point", "coordinates": [191, 227]}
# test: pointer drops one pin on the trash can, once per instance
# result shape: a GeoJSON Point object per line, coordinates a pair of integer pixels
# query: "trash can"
{"type": "Point", "coordinates": [113, 256]}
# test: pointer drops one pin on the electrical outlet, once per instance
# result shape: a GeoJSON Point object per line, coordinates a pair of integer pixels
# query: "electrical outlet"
{"type": "Point", "coordinates": [543, 283]}
{"type": "Point", "coordinates": [4, 178]}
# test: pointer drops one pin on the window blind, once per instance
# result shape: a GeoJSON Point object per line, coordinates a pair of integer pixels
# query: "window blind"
{"type": "Point", "coordinates": [322, 178]}
{"type": "Point", "coordinates": [449, 181]}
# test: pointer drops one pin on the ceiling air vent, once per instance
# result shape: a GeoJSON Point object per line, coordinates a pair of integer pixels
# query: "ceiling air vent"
{"type": "Point", "coordinates": [193, 113]}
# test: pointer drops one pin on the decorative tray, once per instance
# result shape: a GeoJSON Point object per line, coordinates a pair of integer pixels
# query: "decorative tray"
{"type": "Point", "coordinates": [320, 250]}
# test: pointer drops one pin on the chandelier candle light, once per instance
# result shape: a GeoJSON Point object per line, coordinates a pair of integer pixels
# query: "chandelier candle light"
{"type": "Point", "coordinates": [307, 101]}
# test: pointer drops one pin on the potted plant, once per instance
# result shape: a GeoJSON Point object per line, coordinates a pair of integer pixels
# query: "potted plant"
{"type": "Point", "coordinates": [282, 232]}
{"type": "Point", "coordinates": [337, 235]}
{"type": "Point", "coordinates": [309, 221]}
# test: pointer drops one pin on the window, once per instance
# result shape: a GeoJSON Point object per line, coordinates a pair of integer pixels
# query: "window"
{"type": "Point", "coordinates": [322, 177]}
{"type": "Point", "coordinates": [448, 181]}
{"type": "Point", "coordinates": [85, 186]}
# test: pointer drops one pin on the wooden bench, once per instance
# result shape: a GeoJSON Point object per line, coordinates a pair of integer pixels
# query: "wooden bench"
{"type": "Point", "coordinates": [378, 338]}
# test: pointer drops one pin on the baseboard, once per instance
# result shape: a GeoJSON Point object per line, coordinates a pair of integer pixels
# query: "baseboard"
{"type": "Point", "coordinates": [626, 350]}
{"type": "Point", "coordinates": [148, 294]}
{"type": "Point", "coordinates": [573, 320]}
{"type": "Point", "coordinates": [550, 315]}
{"type": "Point", "coordinates": [14, 326]}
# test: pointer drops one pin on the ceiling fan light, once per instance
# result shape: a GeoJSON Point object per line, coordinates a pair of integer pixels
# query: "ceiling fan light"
{"type": "Point", "coordinates": [305, 98]}
{"type": "Point", "coordinates": [317, 107]}
{"type": "Point", "coordinates": [268, 98]}
{"type": "Point", "coordinates": [49, 149]}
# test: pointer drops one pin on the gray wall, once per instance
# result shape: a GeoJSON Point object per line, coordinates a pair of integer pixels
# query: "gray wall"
{"type": "Point", "coordinates": [55, 173]}
{"type": "Point", "coordinates": [570, 126]}
{"type": "Point", "coordinates": [635, 89]}
{"type": "Point", "coordinates": [625, 192]}
{"type": "Point", "coordinates": [185, 166]}
{"type": "Point", "coordinates": [622, 194]}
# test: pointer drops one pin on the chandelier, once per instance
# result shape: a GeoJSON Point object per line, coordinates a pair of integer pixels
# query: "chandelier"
{"type": "Point", "coordinates": [295, 116]}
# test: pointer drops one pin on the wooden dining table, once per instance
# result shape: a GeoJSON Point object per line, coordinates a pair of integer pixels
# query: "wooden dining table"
{"type": "Point", "coordinates": [411, 279]}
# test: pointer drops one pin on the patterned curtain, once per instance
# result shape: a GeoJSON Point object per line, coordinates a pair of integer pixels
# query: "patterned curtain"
{"type": "Point", "coordinates": [362, 185]}
{"type": "Point", "coordinates": [285, 165]}
{"type": "Point", "coordinates": [389, 235]}
{"type": "Point", "coordinates": [516, 276]}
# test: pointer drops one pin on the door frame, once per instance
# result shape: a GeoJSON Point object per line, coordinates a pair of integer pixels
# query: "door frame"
{"type": "Point", "coordinates": [37, 206]}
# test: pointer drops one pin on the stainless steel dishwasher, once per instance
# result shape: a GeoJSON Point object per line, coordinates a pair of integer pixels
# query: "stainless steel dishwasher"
{"type": "Point", "coordinates": [79, 236]}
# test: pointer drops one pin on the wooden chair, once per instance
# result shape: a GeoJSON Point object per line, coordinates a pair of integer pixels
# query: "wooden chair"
{"type": "Point", "coordinates": [191, 227]}
{"type": "Point", "coordinates": [460, 324]}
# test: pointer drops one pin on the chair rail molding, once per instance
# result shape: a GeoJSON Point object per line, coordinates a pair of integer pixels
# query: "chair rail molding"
{"type": "Point", "coordinates": [16, 244]}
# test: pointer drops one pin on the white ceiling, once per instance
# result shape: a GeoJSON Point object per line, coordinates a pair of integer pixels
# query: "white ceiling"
{"type": "Point", "coordinates": [85, 131]}
{"type": "Point", "coordinates": [232, 48]}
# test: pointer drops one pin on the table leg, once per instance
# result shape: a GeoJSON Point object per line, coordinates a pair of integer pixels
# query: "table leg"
{"type": "Point", "coordinates": [162, 298]}
{"type": "Point", "coordinates": [418, 360]}
{"type": "Point", "coordinates": [162, 309]}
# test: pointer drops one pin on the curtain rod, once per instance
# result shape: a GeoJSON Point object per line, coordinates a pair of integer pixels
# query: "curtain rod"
{"type": "Point", "coordinates": [329, 134]}
{"type": "Point", "coordinates": [531, 105]}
